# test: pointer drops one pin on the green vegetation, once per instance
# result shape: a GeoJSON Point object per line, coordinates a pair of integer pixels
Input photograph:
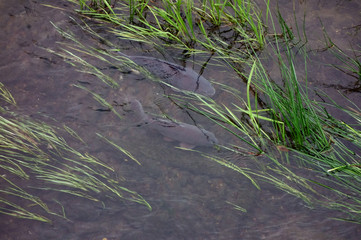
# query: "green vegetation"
{"type": "Point", "coordinates": [297, 126]}
{"type": "Point", "coordinates": [34, 151]}
{"type": "Point", "coordinates": [277, 119]}
{"type": "Point", "coordinates": [192, 26]}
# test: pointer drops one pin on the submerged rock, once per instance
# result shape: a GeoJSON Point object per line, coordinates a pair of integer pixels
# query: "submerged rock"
{"type": "Point", "coordinates": [189, 136]}
{"type": "Point", "coordinates": [180, 77]}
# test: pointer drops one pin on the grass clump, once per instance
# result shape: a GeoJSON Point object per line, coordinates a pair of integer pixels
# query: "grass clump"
{"type": "Point", "coordinates": [276, 112]}
{"type": "Point", "coordinates": [281, 113]}
{"type": "Point", "coordinates": [192, 26]}
{"type": "Point", "coordinates": [34, 151]}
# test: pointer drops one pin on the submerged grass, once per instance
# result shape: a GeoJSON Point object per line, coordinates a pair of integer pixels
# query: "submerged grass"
{"type": "Point", "coordinates": [294, 123]}
{"type": "Point", "coordinates": [33, 151]}
{"type": "Point", "coordinates": [6, 95]}
{"type": "Point", "coordinates": [276, 112]}
{"type": "Point", "coordinates": [192, 26]}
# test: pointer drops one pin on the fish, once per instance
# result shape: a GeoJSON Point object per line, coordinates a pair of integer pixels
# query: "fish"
{"type": "Point", "coordinates": [189, 136]}
{"type": "Point", "coordinates": [135, 111]}
{"type": "Point", "coordinates": [182, 78]}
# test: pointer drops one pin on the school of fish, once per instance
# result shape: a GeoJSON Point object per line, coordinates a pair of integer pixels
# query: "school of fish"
{"type": "Point", "coordinates": [181, 78]}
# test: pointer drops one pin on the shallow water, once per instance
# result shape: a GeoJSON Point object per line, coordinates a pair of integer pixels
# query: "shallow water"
{"type": "Point", "coordinates": [189, 194]}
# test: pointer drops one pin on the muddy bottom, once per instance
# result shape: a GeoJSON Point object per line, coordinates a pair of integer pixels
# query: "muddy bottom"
{"type": "Point", "coordinates": [191, 197]}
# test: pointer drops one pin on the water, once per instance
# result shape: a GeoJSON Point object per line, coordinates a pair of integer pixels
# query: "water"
{"type": "Point", "coordinates": [190, 196]}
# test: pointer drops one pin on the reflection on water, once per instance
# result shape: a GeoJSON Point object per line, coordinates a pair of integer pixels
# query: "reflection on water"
{"type": "Point", "coordinates": [188, 194]}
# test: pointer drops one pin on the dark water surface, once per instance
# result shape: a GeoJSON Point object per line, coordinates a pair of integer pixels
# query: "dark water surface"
{"type": "Point", "coordinates": [190, 195]}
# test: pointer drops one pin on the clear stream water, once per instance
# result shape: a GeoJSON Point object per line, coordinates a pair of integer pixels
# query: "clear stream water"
{"type": "Point", "coordinates": [188, 194]}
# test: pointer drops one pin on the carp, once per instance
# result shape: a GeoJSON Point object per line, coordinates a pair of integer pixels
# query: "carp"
{"type": "Point", "coordinates": [189, 136]}
{"type": "Point", "coordinates": [182, 78]}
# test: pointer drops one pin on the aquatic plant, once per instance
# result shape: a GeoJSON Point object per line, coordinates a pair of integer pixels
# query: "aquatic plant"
{"type": "Point", "coordinates": [192, 26]}
{"type": "Point", "coordinates": [34, 151]}
{"type": "Point", "coordinates": [298, 125]}
{"type": "Point", "coordinates": [350, 65]}
{"type": "Point", "coordinates": [275, 113]}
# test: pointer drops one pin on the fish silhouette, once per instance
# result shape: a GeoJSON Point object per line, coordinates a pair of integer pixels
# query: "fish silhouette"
{"type": "Point", "coordinates": [189, 136]}
{"type": "Point", "coordinates": [182, 78]}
